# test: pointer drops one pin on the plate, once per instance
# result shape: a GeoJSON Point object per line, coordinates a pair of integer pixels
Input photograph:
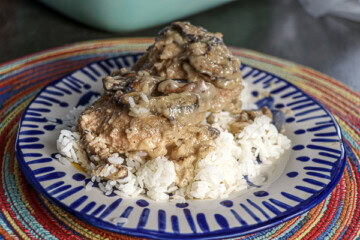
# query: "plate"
{"type": "Point", "coordinates": [315, 165]}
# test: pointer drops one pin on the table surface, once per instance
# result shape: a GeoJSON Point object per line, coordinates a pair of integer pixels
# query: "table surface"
{"type": "Point", "coordinates": [277, 27]}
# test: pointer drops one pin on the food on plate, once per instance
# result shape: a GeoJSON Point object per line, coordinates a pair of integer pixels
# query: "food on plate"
{"type": "Point", "coordinates": [172, 126]}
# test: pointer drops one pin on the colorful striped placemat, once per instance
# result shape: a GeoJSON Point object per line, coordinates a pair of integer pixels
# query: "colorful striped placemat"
{"type": "Point", "coordinates": [27, 215]}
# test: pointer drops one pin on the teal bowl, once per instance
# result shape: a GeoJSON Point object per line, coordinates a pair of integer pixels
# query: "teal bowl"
{"type": "Point", "coordinates": [129, 15]}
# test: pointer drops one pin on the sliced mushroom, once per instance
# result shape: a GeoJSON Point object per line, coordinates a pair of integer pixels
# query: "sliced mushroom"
{"type": "Point", "coordinates": [118, 80]}
{"type": "Point", "coordinates": [130, 81]}
{"type": "Point", "coordinates": [172, 86]}
{"type": "Point", "coordinates": [175, 105]}
{"type": "Point", "coordinates": [194, 54]}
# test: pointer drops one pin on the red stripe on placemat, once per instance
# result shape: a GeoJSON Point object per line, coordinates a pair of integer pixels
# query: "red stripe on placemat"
{"type": "Point", "coordinates": [47, 78]}
{"type": "Point", "coordinates": [42, 215]}
{"type": "Point", "coordinates": [4, 91]}
{"type": "Point", "coordinates": [324, 77]}
{"type": "Point", "coordinates": [5, 205]}
{"type": "Point", "coordinates": [24, 76]}
{"type": "Point", "coordinates": [13, 211]}
{"type": "Point", "coordinates": [333, 101]}
{"type": "Point", "coordinates": [353, 226]}
{"type": "Point", "coordinates": [330, 212]}
{"type": "Point", "coordinates": [326, 91]}
{"type": "Point", "coordinates": [87, 46]}
{"type": "Point", "coordinates": [260, 59]}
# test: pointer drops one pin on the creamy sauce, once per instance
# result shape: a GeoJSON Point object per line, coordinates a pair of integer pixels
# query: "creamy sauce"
{"type": "Point", "coordinates": [159, 105]}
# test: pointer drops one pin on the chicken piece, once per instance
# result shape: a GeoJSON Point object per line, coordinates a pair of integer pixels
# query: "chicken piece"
{"type": "Point", "coordinates": [107, 128]}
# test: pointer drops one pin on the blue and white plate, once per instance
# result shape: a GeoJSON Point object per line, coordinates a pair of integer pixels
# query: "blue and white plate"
{"type": "Point", "coordinates": [316, 164]}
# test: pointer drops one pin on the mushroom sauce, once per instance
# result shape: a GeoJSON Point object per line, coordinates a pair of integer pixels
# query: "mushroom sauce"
{"type": "Point", "coordinates": [158, 107]}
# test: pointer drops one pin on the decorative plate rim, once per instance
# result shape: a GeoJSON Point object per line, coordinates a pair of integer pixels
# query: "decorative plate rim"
{"type": "Point", "coordinates": [295, 211]}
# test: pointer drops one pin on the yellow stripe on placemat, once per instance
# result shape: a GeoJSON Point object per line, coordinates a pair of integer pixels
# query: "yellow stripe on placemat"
{"type": "Point", "coordinates": [315, 215]}
{"type": "Point", "coordinates": [68, 220]}
{"type": "Point", "coordinates": [8, 217]}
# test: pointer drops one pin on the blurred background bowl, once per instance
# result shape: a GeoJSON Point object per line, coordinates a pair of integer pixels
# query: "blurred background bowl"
{"type": "Point", "coordinates": [129, 15]}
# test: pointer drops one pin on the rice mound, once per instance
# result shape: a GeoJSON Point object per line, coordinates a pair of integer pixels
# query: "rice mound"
{"type": "Point", "coordinates": [217, 175]}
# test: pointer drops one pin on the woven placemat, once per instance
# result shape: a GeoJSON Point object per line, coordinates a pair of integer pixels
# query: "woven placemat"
{"type": "Point", "coordinates": [25, 214]}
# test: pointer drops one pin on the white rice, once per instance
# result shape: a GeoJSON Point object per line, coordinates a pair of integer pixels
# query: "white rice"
{"type": "Point", "coordinates": [218, 175]}
{"type": "Point", "coordinates": [115, 159]}
{"type": "Point", "coordinates": [70, 149]}
{"type": "Point", "coordinates": [158, 177]}
{"type": "Point", "coordinates": [216, 178]}
{"type": "Point", "coordinates": [89, 186]}
{"type": "Point", "coordinates": [131, 102]}
{"type": "Point", "coordinates": [144, 97]}
{"type": "Point", "coordinates": [245, 97]}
